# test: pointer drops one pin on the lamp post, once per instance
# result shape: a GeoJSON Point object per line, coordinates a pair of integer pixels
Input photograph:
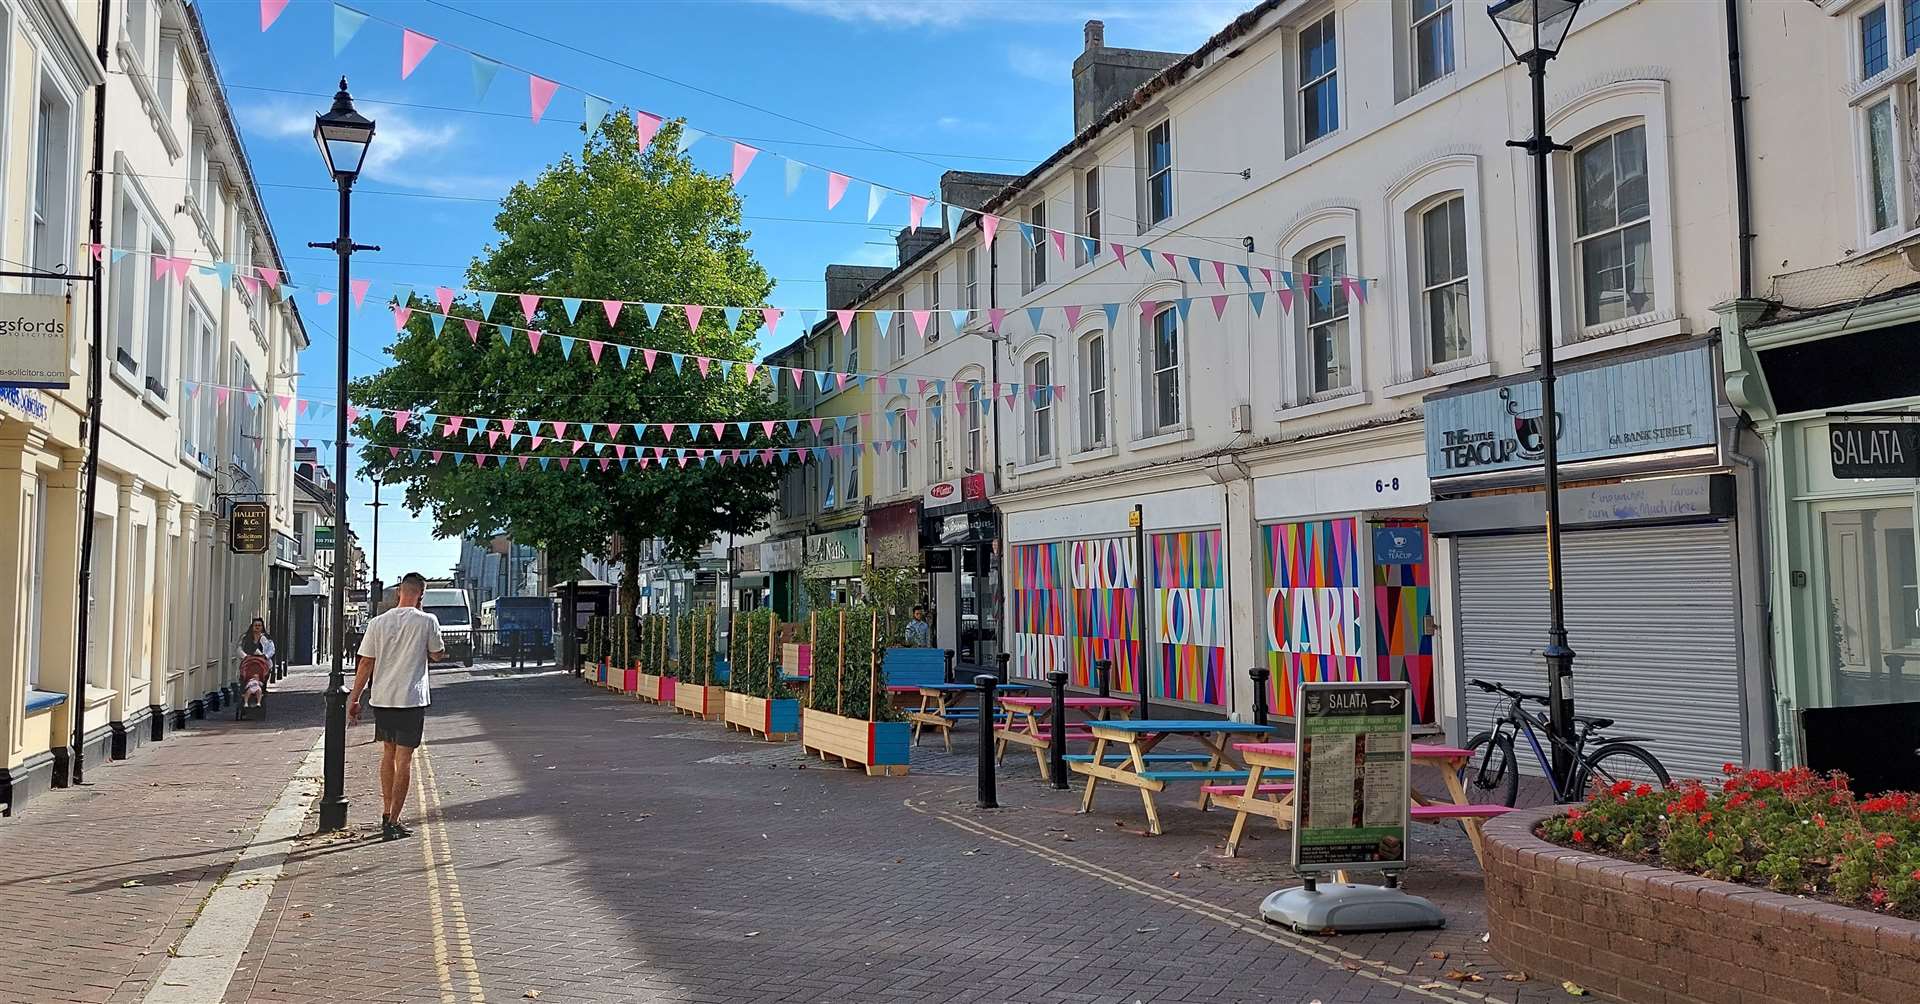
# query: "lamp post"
{"type": "Point", "coordinates": [1534, 32]}
{"type": "Point", "coordinates": [343, 136]}
{"type": "Point", "coordinates": [373, 572]}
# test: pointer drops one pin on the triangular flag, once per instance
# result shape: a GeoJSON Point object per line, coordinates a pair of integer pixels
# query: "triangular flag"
{"type": "Point", "coordinates": [413, 48]}
{"type": "Point", "coordinates": [794, 170]}
{"type": "Point", "coordinates": [1258, 299]}
{"type": "Point", "coordinates": [954, 215]}
{"type": "Point", "coordinates": [1059, 243]}
{"type": "Point", "coordinates": [484, 70]}
{"type": "Point", "coordinates": [688, 137]}
{"type": "Point", "coordinates": [400, 315]}
{"type": "Point", "coordinates": [647, 356]}
{"type": "Point", "coordinates": [845, 317]}
{"type": "Point", "coordinates": [359, 288]}
{"type": "Point", "coordinates": [836, 187]}
{"type": "Point", "coordinates": [539, 92]}
{"type": "Point", "coordinates": [651, 311]}
{"type": "Point", "coordinates": [1119, 254]}
{"type": "Point", "coordinates": [566, 347]}
{"type": "Point", "coordinates": [1090, 247]}
{"type": "Point", "coordinates": [572, 303]}
{"type": "Point", "coordinates": [533, 341]}
{"type": "Point", "coordinates": [612, 310]}
{"type": "Point", "coordinates": [506, 333]}
{"type": "Point", "coordinates": [623, 352]}
{"type": "Point", "coordinates": [1193, 265]}
{"type": "Point", "coordinates": [645, 124]}
{"type": "Point", "coordinates": [693, 312]}
{"type": "Point", "coordinates": [988, 224]}
{"type": "Point", "coordinates": [742, 158]}
{"type": "Point", "coordinates": [1246, 275]}
{"type": "Point", "coordinates": [473, 330]}
{"type": "Point", "coordinates": [1146, 255]}
{"type": "Point", "coordinates": [1356, 288]}
{"type": "Point", "coordinates": [224, 269]}
{"type": "Point", "coordinates": [444, 297]}
{"type": "Point", "coordinates": [528, 304]}
{"type": "Point", "coordinates": [994, 316]}
{"type": "Point", "coordinates": [1172, 264]}
{"type": "Point", "coordinates": [1029, 234]}
{"type": "Point", "coordinates": [702, 362]}
{"type": "Point", "coordinates": [920, 321]}
{"type": "Point", "coordinates": [1035, 315]}
{"type": "Point", "coordinates": [595, 109]}
{"type": "Point", "coordinates": [1219, 306]}
{"type": "Point", "coordinates": [1183, 306]}
{"type": "Point", "coordinates": [875, 196]}
{"type": "Point", "coordinates": [882, 321]}
{"type": "Point", "coordinates": [270, 12]}
{"type": "Point", "coordinates": [346, 24]}
{"type": "Point", "coordinates": [733, 317]}
{"type": "Point", "coordinates": [770, 319]}
{"type": "Point", "coordinates": [1220, 272]}
{"type": "Point", "coordinates": [960, 317]}
{"type": "Point", "coordinates": [916, 208]}
{"type": "Point", "coordinates": [1072, 311]}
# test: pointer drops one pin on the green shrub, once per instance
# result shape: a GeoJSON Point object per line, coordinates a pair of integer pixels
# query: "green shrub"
{"type": "Point", "coordinates": [655, 658]}
{"type": "Point", "coordinates": [749, 659]}
{"type": "Point", "coordinates": [848, 691]}
{"type": "Point", "coordinates": [1793, 831]}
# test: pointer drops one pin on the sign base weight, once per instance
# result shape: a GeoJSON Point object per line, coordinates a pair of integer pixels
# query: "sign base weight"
{"type": "Point", "coordinates": [1347, 907]}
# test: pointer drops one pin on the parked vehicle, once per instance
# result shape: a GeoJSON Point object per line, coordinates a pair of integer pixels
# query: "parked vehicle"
{"type": "Point", "coordinates": [455, 614]}
{"type": "Point", "coordinates": [520, 625]}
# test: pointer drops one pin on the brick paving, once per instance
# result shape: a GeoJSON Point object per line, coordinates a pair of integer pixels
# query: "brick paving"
{"type": "Point", "coordinates": [585, 847]}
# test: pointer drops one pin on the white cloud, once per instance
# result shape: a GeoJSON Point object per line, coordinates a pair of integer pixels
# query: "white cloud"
{"type": "Point", "coordinates": [871, 253]}
{"type": "Point", "coordinates": [1141, 24]}
{"type": "Point", "coordinates": [934, 14]}
{"type": "Point", "coordinates": [1035, 63]}
{"type": "Point", "coordinates": [405, 149]}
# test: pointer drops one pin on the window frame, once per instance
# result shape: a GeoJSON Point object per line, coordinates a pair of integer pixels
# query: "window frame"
{"type": "Point", "coordinates": [1040, 444]}
{"type": "Point", "coordinates": [1153, 422]}
{"type": "Point", "coordinates": [1420, 189]}
{"type": "Point", "coordinates": [976, 429]}
{"type": "Point", "coordinates": [899, 324]}
{"type": "Point", "coordinates": [1036, 256]}
{"type": "Point", "coordinates": [1096, 390]}
{"type": "Point", "coordinates": [1340, 312]}
{"type": "Point", "coordinates": [902, 470]}
{"type": "Point", "coordinates": [1151, 215]}
{"type": "Point", "coordinates": [1618, 229]}
{"type": "Point", "coordinates": [933, 305]}
{"type": "Point", "coordinates": [36, 561]}
{"type": "Point", "coordinates": [1459, 276]}
{"type": "Point", "coordinates": [1417, 21]}
{"type": "Point", "coordinates": [973, 277]}
{"type": "Point", "coordinates": [1091, 202]}
{"type": "Point", "coordinates": [130, 365]}
{"type": "Point", "coordinates": [60, 240]}
{"type": "Point", "coordinates": [936, 433]}
{"type": "Point", "coordinates": [1302, 84]}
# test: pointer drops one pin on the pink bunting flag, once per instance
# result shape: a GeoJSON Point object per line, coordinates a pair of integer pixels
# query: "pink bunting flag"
{"type": "Point", "coordinates": [1148, 308]}
{"type": "Point", "coordinates": [523, 462]}
{"type": "Point", "coordinates": [161, 265]}
{"type": "Point", "coordinates": [923, 386]}
{"type": "Point", "coordinates": [249, 283]}
{"type": "Point", "coordinates": [916, 208]}
{"type": "Point", "coordinates": [493, 438]}
{"type": "Point", "coordinates": [220, 395]}
{"type": "Point", "coordinates": [836, 188]}
{"type": "Point", "coordinates": [797, 375]}
{"type": "Point", "coordinates": [1220, 272]}
{"type": "Point", "coordinates": [1266, 276]}
{"type": "Point", "coordinates": [413, 48]}
{"type": "Point", "coordinates": [666, 430]}
{"type": "Point", "coordinates": [645, 124]}
{"type": "Point", "coordinates": [96, 250]}
{"type": "Point", "coordinates": [1170, 260]}
{"type": "Point", "coordinates": [841, 378]}
{"type": "Point", "coordinates": [300, 407]}
{"type": "Point", "coordinates": [988, 224]}
{"type": "Point", "coordinates": [994, 316]}
{"type": "Point", "coordinates": [647, 355]}
{"type": "Point", "coordinates": [1356, 288]}
{"type": "Point", "coordinates": [400, 315]}
{"type": "Point", "coordinates": [1120, 255]}
{"type": "Point", "coordinates": [693, 311]}
{"type": "Point", "coordinates": [282, 400]}
{"type": "Point", "coordinates": [533, 341]}
{"type": "Point", "coordinates": [359, 289]}
{"type": "Point", "coordinates": [593, 349]}
{"type": "Point", "coordinates": [719, 431]}
{"type": "Point", "coordinates": [393, 451]}
{"type": "Point", "coordinates": [323, 296]}
{"type": "Point", "coordinates": [742, 157]}
{"type": "Point", "coordinates": [620, 450]}
{"type": "Point", "coordinates": [766, 429]}
{"type": "Point", "coordinates": [1219, 306]}
{"type": "Point", "coordinates": [528, 304]}
{"type": "Point", "coordinates": [1072, 310]}
{"type": "Point", "coordinates": [441, 295]}
{"type": "Point", "coordinates": [559, 430]}
{"type": "Point", "coordinates": [473, 330]}
{"type": "Point", "coordinates": [1285, 297]}
{"type": "Point", "coordinates": [920, 321]}
{"type": "Point", "coordinates": [269, 276]}
{"type": "Point", "coordinates": [770, 317]}
{"type": "Point", "coordinates": [400, 417]}
{"type": "Point", "coordinates": [270, 12]}
{"type": "Point", "coordinates": [703, 362]}
{"type": "Point", "coordinates": [539, 441]}
{"type": "Point", "coordinates": [1059, 243]}
{"type": "Point", "coordinates": [751, 368]}
{"type": "Point", "coordinates": [816, 423]}
{"type": "Point", "coordinates": [507, 424]}
{"type": "Point", "coordinates": [577, 444]}
{"type": "Point", "coordinates": [845, 317]}
{"type": "Point", "coordinates": [539, 92]}
{"type": "Point", "coordinates": [612, 308]}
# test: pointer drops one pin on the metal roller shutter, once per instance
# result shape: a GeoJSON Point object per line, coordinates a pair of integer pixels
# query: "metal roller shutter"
{"type": "Point", "coordinates": [1651, 615]}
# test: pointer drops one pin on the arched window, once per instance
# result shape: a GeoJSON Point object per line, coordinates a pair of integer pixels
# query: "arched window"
{"type": "Point", "coordinates": [1612, 227]}
{"type": "Point", "coordinates": [976, 428]}
{"type": "Point", "coordinates": [1443, 280]}
{"type": "Point", "coordinates": [1160, 354]}
{"type": "Point", "coordinates": [1039, 395]}
{"type": "Point", "coordinates": [1327, 347]}
{"type": "Point", "coordinates": [936, 438]}
{"type": "Point", "coordinates": [1094, 399]}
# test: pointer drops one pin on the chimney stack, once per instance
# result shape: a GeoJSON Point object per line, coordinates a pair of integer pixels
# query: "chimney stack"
{"type": "Point", "coordinates": [1096, 35]}
{"type": "Point", "coordinates": [1104, 77]}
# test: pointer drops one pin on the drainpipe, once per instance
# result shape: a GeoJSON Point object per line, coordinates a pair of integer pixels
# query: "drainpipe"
{"type": "Point", "coordinates": [1743, 206]}
{"type": "Point", "coordinates": [76, 774]}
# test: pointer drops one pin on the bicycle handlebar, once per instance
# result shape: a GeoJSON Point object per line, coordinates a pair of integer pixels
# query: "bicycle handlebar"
{"type": "Point", "coordinates": [1495, 688]}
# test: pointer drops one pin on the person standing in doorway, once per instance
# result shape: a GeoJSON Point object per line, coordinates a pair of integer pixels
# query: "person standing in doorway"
{"type": "Point", "coordinates": [919, 632]}
{"type": "Point", "coordinates": [401, 643]}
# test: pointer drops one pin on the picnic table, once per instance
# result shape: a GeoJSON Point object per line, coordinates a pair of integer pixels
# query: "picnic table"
{"type": "Point", "coordinates": [943, 705]}
{"type": "Point", "coordinates": [1026, 723]}
{"type": "Point", "coordinates": [1141, 768]}
{"type": "Point", "coordinates": [1256, 796]}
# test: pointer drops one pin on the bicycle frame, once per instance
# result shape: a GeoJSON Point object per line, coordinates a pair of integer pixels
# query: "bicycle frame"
{"type": "Point", "coordinates": [1517, 720]}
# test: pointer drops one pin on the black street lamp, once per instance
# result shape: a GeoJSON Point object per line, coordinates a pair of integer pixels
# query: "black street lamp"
{"type": "Point", "coordinates": [373, 576]}
{"type": "Point", "coordinates": [343, 136]}
{"type": "Point", "coordinates": [1542, 27]}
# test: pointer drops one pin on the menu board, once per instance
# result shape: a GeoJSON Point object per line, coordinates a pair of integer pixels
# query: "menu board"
{"type": "Point", "coordinates": [1351, 776]}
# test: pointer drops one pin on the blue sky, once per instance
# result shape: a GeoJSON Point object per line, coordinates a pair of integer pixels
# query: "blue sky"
{"type": "Point", "coordinates": [891, 90]}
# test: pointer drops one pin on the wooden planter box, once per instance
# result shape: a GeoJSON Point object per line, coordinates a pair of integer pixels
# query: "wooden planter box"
{"type": "Point", "coordinates": [651, 688]}
{"type": "Point", "coordinates": [878, 747]}
{"type": "Point", "coordinates": [774, 719]}
{"type": "Point", "coordinates": [630, 681]}
{"type": "Point", "coordinates": [708, 702]}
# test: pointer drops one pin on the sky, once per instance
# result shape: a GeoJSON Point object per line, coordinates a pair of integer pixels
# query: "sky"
{"type": "Point", "coordinates": [895, 91]}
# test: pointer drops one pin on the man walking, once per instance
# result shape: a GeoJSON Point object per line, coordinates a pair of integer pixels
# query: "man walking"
{"type": "Point", "coordinates": [400, 643]}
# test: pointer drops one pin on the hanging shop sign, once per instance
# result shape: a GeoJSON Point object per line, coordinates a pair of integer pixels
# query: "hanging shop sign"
{"type": "Point", "coordinates": [35, 340]}
{"type": "Point", "coordinates": [746, 558]}
{"type": "Point", "coordinates": [323, 537]}
{"type": "Point", "coordinates": [1874, 450]}
{"type": "Point", "coordinates": [971, 488]}
{"type": "Point", "coordinates": [833, 555]}
{"type": "Point", "coordinates": [1351, 776]}
{"type": "Point", "coordinates": [251, 528]}
{"type": "Point", "coordinates": [782, 555]}
{"type": "Point", "coordinates": [893, 535]}
{"type": "Point", "coordinates": [1647, 404]}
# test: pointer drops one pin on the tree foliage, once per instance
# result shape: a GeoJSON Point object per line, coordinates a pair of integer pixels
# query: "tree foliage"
{"type": "Point", "coordinates": [614, 222]}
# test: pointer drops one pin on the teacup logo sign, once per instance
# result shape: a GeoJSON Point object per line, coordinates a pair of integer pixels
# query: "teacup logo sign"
{"type": "Point", "coordinates": [1529, 438]}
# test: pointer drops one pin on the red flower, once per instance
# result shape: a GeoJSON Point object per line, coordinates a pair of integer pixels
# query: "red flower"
{"type": "Point", "coordinates": [1574, 814]}
{"type": "Point", "coordinates": [1644, 790]}
{"type": "Point", "coordinates": [1916, 875]}
{"type": "Point", "coordinates": [1729, 769]}
{"type": "Point", "coordinates": [1878, 896]}
{"type": "Point", "coordinates": [1883, 841]}
{"type": "Point", "coordinates": [1622, 786]}
{"type": "Point", "coordinates": [1579, 836]}
{"type": "Point", "coordinates": [1820, 820]}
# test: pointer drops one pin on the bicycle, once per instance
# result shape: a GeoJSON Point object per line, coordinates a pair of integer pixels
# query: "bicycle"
{"type": "Point", "coordinates": [1491, 769]}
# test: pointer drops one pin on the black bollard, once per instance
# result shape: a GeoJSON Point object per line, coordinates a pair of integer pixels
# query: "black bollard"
{"type": "Point", "coordinates": [988, 685]}
{"type": "Point", "coordinates": [1057, 751]}
{"type": "Point", "coordinates": [1259, 675]}
{"type": "Point", "coordinates": [1002, 672]}
{"type": "Point", "coordinates": [949, 657]}
{"type": "Point", "coordinates": [1103, 668]}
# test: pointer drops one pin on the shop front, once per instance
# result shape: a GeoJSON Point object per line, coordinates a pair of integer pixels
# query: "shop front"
{"type": "Point", "coordinates": [832, 567]}
{"type": "Point", "coordinates": [1342, 561]}
{"type": "Point", "coordinates": [1659, 581]}
{"type": "Point", "coordinates": [959, 534]}
{"type": "Point", "coordinates": [1835, 396]}
{"type": "Point", "coordinates": [780, 562]}
{"type": "Point", "coordinates": [748, 585]}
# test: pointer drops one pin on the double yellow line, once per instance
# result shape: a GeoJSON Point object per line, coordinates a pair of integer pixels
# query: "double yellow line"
{"type": "Point", "coordinates": [452, 942]}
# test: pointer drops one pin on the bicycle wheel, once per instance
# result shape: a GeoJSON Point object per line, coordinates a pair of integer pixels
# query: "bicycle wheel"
{"type": "Point", "coordinates": [1490, 776]}
{"type": "Point", "coordinates": [1612, 763]}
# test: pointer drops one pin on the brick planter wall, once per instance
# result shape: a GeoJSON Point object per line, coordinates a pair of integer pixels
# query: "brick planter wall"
{"type": "Point", "coordinates": [1647, 935]}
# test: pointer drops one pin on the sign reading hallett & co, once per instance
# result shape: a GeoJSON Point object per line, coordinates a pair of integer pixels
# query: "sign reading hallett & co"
{"type": "Point", "coordinates": [250, 529]}
{"type": "Point", "coordinates": [1645, 404]}
{"type": "Point", "coordinates": [1874, 450]}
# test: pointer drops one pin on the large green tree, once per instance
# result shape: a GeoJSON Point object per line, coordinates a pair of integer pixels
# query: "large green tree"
{"type": "Point", "coordinates": [615, 222]}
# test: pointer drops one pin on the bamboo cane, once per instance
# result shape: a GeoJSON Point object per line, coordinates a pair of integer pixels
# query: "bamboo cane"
{"type": "Point", "coordinates": [840, 669]}
{"type": "Point", "coordinates": [873, 663]}
{"type": "Point", "coordinates": [813, 637]}
{"type": "Point", "coordinates": [773, 624]}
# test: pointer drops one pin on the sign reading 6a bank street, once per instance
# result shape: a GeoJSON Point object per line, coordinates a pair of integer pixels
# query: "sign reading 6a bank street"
{"type": "Point", "coordinates": [35, 340]}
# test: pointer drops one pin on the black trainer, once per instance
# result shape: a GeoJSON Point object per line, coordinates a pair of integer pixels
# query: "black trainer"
{"type": "Point", "coordinates": [399, 831]}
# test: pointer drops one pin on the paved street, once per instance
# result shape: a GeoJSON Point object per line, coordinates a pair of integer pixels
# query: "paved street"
{"type": "Point", "coordinates": [584, 847]}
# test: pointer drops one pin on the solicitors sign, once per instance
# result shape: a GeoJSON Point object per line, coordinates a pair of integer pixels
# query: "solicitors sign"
{"type": "Point", "coordinates": [1645, 404]}
{"type": "Point", "coordinates": [35, 340]}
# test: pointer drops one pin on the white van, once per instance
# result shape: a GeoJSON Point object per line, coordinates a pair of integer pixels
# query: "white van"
{"type": "Point", "coordinates": [455, 614]}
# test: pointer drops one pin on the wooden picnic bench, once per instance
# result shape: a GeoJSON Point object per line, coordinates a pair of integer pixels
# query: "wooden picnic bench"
{"type": "Point", "coordinates": [1257, 797]}
{"type": "Point", "coordinates": [1136, 767]}
{"type": "Point", "coordinates": [1027, 724]}
{"type": "Point", "coordinates": [943, 706]}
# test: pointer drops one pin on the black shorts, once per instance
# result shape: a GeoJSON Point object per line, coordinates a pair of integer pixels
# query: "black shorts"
{"type": "Point", "coordinates": [399, 726]}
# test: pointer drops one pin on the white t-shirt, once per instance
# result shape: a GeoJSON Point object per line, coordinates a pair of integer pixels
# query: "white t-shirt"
{"type": "Point", "coordinates": [399, 642]}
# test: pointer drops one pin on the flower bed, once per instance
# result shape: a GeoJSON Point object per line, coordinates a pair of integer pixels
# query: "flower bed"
{"type": "Point", "coordinates": [1792, 831]}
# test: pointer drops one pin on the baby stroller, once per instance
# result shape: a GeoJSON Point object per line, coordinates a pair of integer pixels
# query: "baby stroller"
{"type": "Point", "coordinates": [255, 671]}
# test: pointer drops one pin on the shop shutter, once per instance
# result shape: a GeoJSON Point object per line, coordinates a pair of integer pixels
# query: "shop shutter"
{"type": "Point", "coordinates": [1652, 616]}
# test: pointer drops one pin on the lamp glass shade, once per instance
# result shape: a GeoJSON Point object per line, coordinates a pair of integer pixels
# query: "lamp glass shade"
{"type": "Point", "coordinates": [343, 145]}
{"type": "Point", "coordinates": [1517, 21]}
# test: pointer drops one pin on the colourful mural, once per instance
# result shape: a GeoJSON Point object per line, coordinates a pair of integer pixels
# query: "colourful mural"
{"type": "Point", "coordinates": [1074, 602]}
{"type": "Point", "coordinates": [1313, 607]}
{"type": "Point", "coordinates": [1402, 603]}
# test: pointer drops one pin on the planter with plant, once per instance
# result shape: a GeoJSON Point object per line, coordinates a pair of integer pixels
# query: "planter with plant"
{"type": "Point", "coordinates": [656, 677]}
{"type": "Point", "coordinates": [698, 693]}
{"type": "Point", "coordinates": [757, 701]}
{"type": "Point", "coordinates": [848, 718]}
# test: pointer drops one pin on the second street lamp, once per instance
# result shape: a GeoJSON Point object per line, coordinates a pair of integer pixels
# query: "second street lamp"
{"type": "Point", "coordinates": [1541, 27]}
{"type": "Point", "coordinates": [343, 136]}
